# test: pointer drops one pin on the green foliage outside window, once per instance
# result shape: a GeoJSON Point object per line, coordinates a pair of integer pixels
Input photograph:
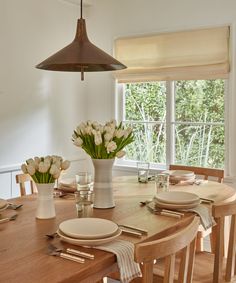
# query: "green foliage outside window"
{"type": "Point", "coordinates": [200, 101]}
{"type": "Point", "coordinates": [145, 104]}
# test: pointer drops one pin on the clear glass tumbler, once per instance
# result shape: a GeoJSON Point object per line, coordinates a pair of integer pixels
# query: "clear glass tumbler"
{"type": "Point", "coordinates": [83, 180]}
{"type": "Point", "coordinates": [143, 171]}
{"type": "Point", "coordinates": [84, 203]}
{"type": "Point", "coordinates": [162, 182]}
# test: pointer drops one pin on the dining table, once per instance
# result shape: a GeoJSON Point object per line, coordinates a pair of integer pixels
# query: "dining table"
{"type": "Point", "coordinates": [24, 244]}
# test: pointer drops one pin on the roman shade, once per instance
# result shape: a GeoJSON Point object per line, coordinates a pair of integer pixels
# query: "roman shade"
{"type": "Point", "coordinates": [193, 54]}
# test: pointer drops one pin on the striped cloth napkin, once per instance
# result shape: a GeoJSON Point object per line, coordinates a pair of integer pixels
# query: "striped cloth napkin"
{"type": "Point", "coordinates": [124, 252]}
{"type": "Point", "coordinates": [203, 212]}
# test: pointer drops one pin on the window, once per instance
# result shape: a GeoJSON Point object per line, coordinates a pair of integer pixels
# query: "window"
{"type": "Point", "coordinates": [178, 122]}
{"type": "Point", "coordinates": [173, 96]}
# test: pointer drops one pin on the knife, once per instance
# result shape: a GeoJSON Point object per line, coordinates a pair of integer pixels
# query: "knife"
{"type": "Point", "coordinates": [79, 253]}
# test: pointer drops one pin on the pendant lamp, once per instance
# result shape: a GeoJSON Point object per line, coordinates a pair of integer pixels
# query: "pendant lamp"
{"type": "Point", "coordinates": [81, 55]}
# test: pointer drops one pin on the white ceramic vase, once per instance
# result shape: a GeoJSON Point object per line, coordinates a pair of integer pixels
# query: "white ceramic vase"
{"type": "Point", "coordinates": [103, 191]}
{"type": "Point", "coordinates": [45, 201]}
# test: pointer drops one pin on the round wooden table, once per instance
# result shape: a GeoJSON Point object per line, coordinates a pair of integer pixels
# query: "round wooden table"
{"type": "Point", "coordinates": [217, 192]}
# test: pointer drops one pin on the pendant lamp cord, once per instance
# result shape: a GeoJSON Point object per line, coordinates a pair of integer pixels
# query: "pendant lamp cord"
{"type": "Point", "coordinates": [81, 9]}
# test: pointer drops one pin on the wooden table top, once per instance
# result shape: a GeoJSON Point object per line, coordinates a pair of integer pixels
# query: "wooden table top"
{"type": "Point", "coordinates": [23, 245]}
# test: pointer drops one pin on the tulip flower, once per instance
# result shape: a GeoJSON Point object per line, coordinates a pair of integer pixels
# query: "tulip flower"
{"type": "Point", "coordinates": [102, 141]}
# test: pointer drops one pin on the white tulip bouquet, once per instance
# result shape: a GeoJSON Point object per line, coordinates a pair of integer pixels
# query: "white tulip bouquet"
{"type": "Point", "coordinates": [102, 141]}
{"type": "Point", "coordinates": [45, 169]}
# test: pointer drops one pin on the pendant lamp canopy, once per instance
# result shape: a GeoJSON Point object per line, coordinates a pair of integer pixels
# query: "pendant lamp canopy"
{"type": "Point", "coordinates": [81, 55]}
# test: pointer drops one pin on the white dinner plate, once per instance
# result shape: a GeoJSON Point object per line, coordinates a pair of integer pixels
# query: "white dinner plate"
{"type": "Point", "coordinates": [3, 203]}
{"type": "Point", "coordinates": [176, 206]}
{"type": "Point", "coordinates": [88, 228]}
{"type": "Point", "coordinates": [88, 242]}
{"type": "Point", "coordinates": [181, 178]}
{"type": "Point", "coordinates": [177, 197]}
{"type": "Point", "coordinates": [181, 173]}
{"type": "Point", "coordinates": [68, 185]}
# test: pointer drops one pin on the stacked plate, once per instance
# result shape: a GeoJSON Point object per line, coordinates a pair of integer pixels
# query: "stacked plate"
{"type": "Point", "coordinates": [88, 231]}
{"type": "Point", "coordinates": [67, 185]}
{"type": "Point", "coordinates": [176, 200]}
{"type": "Point", "coordinates": [3, 204]}
{"type": "Point", "coordinates": [177, 176]}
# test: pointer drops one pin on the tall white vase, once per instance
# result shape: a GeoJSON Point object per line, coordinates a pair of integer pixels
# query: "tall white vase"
{"type": "Point", "coordinates": [103, 191]}
{"type": "Point", "coordinates": [45, 201]}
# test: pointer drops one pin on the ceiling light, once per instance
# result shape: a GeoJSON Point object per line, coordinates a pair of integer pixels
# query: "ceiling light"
{"type": "Point", "coordinates": [81, 55]}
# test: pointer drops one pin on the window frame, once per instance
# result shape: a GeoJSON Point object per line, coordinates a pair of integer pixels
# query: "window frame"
{"type": "Point", "coordinates": [170, 124]}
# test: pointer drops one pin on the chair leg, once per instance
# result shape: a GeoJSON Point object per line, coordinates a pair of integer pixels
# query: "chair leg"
{"type": "Point", "coordinates": [199, 244]}
{"type": "Point", "coordinates": [213, 240]}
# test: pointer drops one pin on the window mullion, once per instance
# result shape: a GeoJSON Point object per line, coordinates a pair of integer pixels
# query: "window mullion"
{"type": "Point", "coordinates": [170, 119]}
{"type": "Point", "coordinates": [120, 102]}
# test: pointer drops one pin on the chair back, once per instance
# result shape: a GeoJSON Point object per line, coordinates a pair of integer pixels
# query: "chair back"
{"type": "Point", "coordinates": [21, 179]}
{"type": "Point", "coordinates": [219, 212]}
{"type": "Point", "coordinates": [206, 172]}
{"type": "Point", "coordinates": [167, 247]}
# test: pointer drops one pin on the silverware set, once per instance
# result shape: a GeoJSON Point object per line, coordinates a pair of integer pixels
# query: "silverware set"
{"type": "Point", "coordinates": [165, 212]}
{"type": "Point", "coordinates": [7, 219]}
{"type": "Point", "coordinates": [206, 200]}
{"type": "Point", "coordinates": [132, 231]}
{"type": "Point", "coordinates": [14, 206]}
{"type": "Point", "coordinates": [70, 254]}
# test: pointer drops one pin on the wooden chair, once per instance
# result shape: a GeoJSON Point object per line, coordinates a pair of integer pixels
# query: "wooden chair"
{"type": "Point", "coordinates": [206, 172]}
{"type": "Point", "coordinates": [215, 268]}
{"type": "Point", "coordinates": [182, 242]}
{"type": "Point", "coordinates": [201, 171]}
{"type": "Point", "coordinates": [21, 179]}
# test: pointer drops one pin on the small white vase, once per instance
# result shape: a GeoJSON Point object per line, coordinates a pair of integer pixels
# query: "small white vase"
{"type": "Point", "coordinates": [45, 201]}
{"type": "Point", "coordinates": [103, 191]}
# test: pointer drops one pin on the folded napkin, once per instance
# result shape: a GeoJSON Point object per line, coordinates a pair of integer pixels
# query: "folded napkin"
{"type": "Point", "coordinates": [203, 212]}
{"type": "Point", "coordinates": [124, 252]}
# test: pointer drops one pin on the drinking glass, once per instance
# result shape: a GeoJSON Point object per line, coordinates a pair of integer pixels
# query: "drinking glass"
{"type": "Point", "coordinates": [83, 180]}
{"type": "Point", "coordinates": [84, 203]}
{"type": "Point", "coordinates": [162, 182]}
{"type": "Point", "coordinates": [143, 171]}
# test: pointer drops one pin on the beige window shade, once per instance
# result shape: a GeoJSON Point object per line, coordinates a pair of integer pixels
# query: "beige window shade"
{"type": "Point", "coordinates": [195, 54]}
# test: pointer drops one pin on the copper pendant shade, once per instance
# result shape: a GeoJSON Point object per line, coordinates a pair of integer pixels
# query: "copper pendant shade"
{"type": "Point", "coordinates": [81, 56]}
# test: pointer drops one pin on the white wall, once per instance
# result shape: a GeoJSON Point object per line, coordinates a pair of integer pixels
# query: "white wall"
{"type": "Point", "coordinates": [38, 109]}
{"type": "Point", "coordinates": [109, 19]}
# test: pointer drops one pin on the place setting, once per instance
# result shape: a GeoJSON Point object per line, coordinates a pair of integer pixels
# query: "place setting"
{"type": "Point", "coordinates": [176, 203]}
{"type": "Point", "coordinates": [68, 186]}
{"type": "Point", "coordinates": [96, 233]}
{"type": "Point", "coordinates": [4, 204]}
